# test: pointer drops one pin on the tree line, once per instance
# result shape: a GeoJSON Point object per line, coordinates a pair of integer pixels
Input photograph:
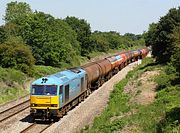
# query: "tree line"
{"type": "Point", "coordinates": [164, 38]}
{"type": "Point", "coordinates": [34, 37]}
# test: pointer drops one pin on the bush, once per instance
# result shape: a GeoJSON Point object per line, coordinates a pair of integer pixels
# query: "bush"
{"type": "Point", "coordinates": [15, 54]}
{"type": "Point", "coordinates": [39, 71]}
{"type": "Point", "coordinates": [9, 75]}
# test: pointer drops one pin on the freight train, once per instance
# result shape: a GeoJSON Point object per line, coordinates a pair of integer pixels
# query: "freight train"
{"type": "Point", "coordinates": [54, 95]}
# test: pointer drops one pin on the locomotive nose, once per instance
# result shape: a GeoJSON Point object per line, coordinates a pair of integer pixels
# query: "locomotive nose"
{"type": "Point", "coordinates": [44, 102]}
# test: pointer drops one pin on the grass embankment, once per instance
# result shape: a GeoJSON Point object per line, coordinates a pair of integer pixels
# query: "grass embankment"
{"type": "Point", "coordinates": [124, 115]}
{"type": "Point", "coordinates": [14, 83]}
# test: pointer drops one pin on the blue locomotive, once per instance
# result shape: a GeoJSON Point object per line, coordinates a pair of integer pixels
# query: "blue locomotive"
{"type": "Point", "coordinates": [51, 93]}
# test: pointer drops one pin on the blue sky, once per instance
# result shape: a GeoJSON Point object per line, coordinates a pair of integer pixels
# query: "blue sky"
{"type": "Point", "coordinates": [123, 16]}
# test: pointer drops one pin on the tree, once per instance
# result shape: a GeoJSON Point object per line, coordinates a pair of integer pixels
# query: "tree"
{"type": "Point", "coordinates": [99, 42]}
{"type": "Point", "coordinates": [48, 36]}
{"type": "Point", "coordinates": [175, 58]}
{"type": "Point", "coordinates": [17, 11]}
{"type": "Point", "coordinates": [133, 36]}
{"type": "Point", "coordinates": [53, 41]}
{"type": "Point", "coordinates": [159, 38]}
{"type": "Point", "coordinates": [3, 34]}
{"type": "Point", "coordinates": [83, 30]}
{"type": "Point", "coordinates": [104, 41]}
{"type": "Point", "coordinates": [15, 54]}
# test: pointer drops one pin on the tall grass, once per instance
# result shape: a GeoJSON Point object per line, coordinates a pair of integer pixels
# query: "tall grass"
{"type": "Point", "coordinates": [12, 81]}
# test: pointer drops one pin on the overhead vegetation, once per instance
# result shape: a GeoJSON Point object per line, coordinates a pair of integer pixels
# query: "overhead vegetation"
{"type": "Point", "coordinates": [83, 31]}
{"type": "Point", "coordinates": [15, 54]}
{"type": "Point", "coordinates": [164, 36]}
{"type": "Point", "coordinates": [41, 39]}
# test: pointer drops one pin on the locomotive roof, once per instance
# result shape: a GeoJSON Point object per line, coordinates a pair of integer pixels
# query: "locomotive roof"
{"type": "Point", "coordinates": [60, 77]}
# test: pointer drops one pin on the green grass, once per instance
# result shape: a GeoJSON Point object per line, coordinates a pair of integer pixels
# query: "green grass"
{"type": "Point", "coordinates": [39, 71]}
{"type": "Point", "coordinates": [160, 116]}
{"type": "Point", "coordinates": [12, 81]}
{"type": "Point", "coordinates": [9, 75]}
{"type": "Point", "coordinates": [9, 94]}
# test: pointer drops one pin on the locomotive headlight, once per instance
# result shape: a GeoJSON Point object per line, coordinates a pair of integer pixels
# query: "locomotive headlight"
{"type": "Point", "coordinates": [32, 105]}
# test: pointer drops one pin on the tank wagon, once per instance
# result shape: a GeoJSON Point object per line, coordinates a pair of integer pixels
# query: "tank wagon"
{"type": "Point", "coordinates": [53, 96]}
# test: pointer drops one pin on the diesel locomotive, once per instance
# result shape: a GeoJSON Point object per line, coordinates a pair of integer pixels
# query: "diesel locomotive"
{"type": "Point", "coordinates": [54, 95]}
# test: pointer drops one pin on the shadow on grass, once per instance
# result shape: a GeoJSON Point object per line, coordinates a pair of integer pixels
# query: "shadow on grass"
{"type": "Point", "coordinates": [148, 65]}
{"type": "Point", "coordinates": [176, 81]}
{"type": "Point", "coordinates": [172, 118]}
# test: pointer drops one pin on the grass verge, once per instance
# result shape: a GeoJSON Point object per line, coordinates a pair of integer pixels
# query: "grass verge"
{"type": "Point", "coordinates": [13, 82]}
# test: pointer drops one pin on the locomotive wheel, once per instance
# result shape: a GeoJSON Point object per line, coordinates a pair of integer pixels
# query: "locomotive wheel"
{"type": "Point", "coordinates": [88, 92]}
{"type": "Point", "coordinates": [63, 110]}
{"type": "Point", "coordinates": [67, 108]}
{"type": "Point", "coordinates": [59, 114]}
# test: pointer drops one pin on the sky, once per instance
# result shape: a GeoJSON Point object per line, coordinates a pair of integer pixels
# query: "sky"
{"type": "Point", "coordinates": [123, 16]}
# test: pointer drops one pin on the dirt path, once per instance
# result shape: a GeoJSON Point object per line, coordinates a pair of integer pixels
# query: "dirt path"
{"type": "Point", "coordinates": [85, 113]}
{"type": "Point", "coordinates": [142, 90]}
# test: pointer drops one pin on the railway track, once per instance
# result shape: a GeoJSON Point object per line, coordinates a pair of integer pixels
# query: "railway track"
{"type": "Point", "coordinates": [4, 104]}
{"type": "Point", "coordinates": [14, 110]}
{"type": "Point", "coordinates": [36, 128]}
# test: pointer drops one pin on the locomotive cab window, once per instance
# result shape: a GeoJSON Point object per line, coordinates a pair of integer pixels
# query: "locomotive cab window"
{"type": "Point", "coordinates": [61, 90]}
{"type": "Point", "coordinates": [44, 90]}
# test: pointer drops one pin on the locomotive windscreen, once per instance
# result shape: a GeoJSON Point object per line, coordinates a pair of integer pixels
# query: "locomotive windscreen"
{"type": "Point", "coordinates": [44, 90]}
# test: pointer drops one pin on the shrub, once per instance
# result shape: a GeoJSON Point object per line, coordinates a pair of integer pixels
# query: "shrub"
{"type": "Point", "coordinates": [15, 54]}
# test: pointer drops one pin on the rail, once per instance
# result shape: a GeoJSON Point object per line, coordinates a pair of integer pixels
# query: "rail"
{"type": "Point", "coordinates": [14, 110]}
{"type": "Point", "coordinates": [38, 128]}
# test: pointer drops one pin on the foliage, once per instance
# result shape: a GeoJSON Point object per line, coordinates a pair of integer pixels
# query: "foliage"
{"type": "Point", "coordinates": [11, 82]}
{"type": "Point", "coordinates": [52, 40]}
{"type": "Point", "coordinates": [39, 71]}
{"type": "Point", "coordinates": [3, 34]}
{"type": "Point", "coordinates": [15, 54]}
{"type": "Point", "coordinates": [8, 76]}
{"type": "Point", "coordinates": [83, 30]}
{"type": "Point", "coordinates": [105, 41]}
{"type": "Point", "coordinates": [175, 58]}
{"type": "Point", "coordinates": [133, 36]}
{"type": "Point", "coordinates": [159, 35]}
{"type": "Point", "coordinates": [15, 12]}
{"type": "Point", "coordinates": [57, 42]}
{"type": "Point", "coordinates": [9, 94]}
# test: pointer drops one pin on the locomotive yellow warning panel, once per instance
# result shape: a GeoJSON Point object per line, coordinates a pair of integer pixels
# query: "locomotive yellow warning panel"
{"type": "Point", "coordinates": [44, 102]}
